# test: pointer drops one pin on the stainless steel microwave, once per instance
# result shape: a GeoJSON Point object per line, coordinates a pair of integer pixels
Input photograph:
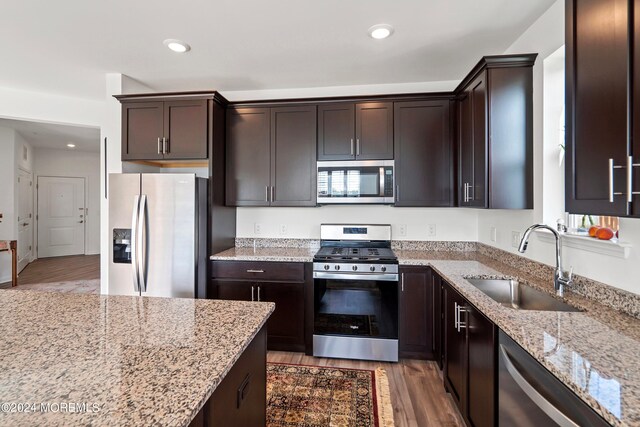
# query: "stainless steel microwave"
{"type": "Point", "coordinates": [370, 181]}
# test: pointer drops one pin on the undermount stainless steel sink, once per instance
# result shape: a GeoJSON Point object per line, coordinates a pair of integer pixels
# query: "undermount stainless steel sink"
{"type": "Point", "coordinates": [519, 296]}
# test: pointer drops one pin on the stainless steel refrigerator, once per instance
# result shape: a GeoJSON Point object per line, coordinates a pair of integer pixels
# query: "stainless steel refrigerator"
{"type": "Point", "coordinates": [158, 224]}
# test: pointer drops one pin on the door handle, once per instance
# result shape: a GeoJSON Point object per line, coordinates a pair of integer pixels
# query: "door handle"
{"type": "Point", "coordinates": [461, 324]}
{"type": "Point", "coordinates": [258, 293]}
{"type": "Point", "coordinates": [540, 401]}
{"type": "Point", "coordinates": [165, 145]}
{"type": "Point", "coordinates": [80, 222]}
{"type": "Point", "coordinates": [455, 315]}
{"type": "Point", "coordinates": [402, 282]}
{"type": "Point", "coordinates": [252, 292]}
{"type": "Point", "coordinates": [357, 146]}
{"type": "Point", "coordinates": [612, 192]}
{"type": "Point", "coordinates": [142, 244]}
{"type": "Point", "coordinates": [272, 199]}
{"type": "Point", "coordinates": [255, 271]}
{"type": "Point", "coordinates": [352, 146]}
{"type": "Point", "coordinates": [266, 197]}
{"type": "Point", "coordinates": [159, 146]}
{"type": "Point", "coordinates": [134, 243]}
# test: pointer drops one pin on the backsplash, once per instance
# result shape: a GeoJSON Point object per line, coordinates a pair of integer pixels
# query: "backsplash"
{"type": "Point", "coordinates": [618, 299]}
{"type": "Point", "coordinates": [433, 245]}
{"type": "Point", "coordinates": [247, 242]}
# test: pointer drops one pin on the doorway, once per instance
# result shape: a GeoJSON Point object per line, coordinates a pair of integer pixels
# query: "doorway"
{"type": "Point", "coordinates": [61, 216]}
{"type": "Point", "coordinates": [25, 218]}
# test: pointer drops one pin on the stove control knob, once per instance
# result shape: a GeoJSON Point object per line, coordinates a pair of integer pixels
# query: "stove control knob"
{"type": "Point", "coordinates": [383, 269]}
{"type": "Point", "coordinates": [337, 267]}
{"type": "Point", "coordinates": [326, 266]}
{"type": "Point", "coordinates": [372, 268]}
{"type": "Point", "coordinates": [354, 268]}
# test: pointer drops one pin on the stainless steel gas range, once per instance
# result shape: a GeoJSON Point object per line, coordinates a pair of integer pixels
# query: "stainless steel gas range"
{"type": "Point", "coordinates": [355, 293]}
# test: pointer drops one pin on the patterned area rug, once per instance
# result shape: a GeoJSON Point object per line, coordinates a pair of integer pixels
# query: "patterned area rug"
{"type": "Point", "coordinates": [76, 287]}
{"type": "Point", "coordinates": [318, 396]}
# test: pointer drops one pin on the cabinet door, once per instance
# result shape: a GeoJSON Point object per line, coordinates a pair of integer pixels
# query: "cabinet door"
{"type": "Point", "coordinates": [636, 109]}
{"type": "Point", "coordinates": [597, 59]}
{"type": "Point", "coordinates": [232, 290]}
{"type": "Point", "coordinates": [293, 156]}
{"type": "Point", "coordinates": [423, 153]}
{"type": "Point", "coordinates": [374, 131]}
{"type": "Point", "coordinates": [336, 131]}
{"type": "Point", "coordinates": [478, 190]}
{"type": "Point", "coordinates": [415, 312]}
{"type": "Point", "coordinates": [142, 130]}
{"type": "Point", "coordinates": [248, 157]}
{"type": "Point", "coordinates": [286, 325]}
{"type": "Point", "coordinates": [185, 129]}
{"type": "Point", "coordinates": [455, 349]}
{"type": "Point", "coordinates": [465, 149]}
{"type": "Point", "coordinates": [481, 361]}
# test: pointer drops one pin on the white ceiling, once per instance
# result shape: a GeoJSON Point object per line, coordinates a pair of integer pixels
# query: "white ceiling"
{"type": "Point", "coordinates": [66, 46]}
{"type": "Point", "coordinates": [47, 135]}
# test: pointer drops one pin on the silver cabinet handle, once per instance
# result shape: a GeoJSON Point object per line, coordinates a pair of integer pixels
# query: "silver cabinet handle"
{"type": "Point", "coordinates": [612, 192]}
{"type": "Point", "coordinates": [464, 193]}
{"type": "Point", "coordinates": [470, 192]}
{"type": "Point", "coordinates": [165, 144]}
{"type": "Point", "coordinates": [402, 281]}
{"type": "Point", "coordinates": [159, 146]}
{"type": "Point", "coordinates": [272, 198]}
{"type": "Point", "coordinates": [461, 324]}
{"type": "Point", "coordinates": [266, 197]}
{"type": "Point", "coordinates": [357, 146]}
{"type": "Point", "coordinates": [252, 290]}
{"type": "Point", "coordinates": [541, 402]}
{"type": "Point", "coordinates": [352, 146]}
{"type": "Point", "coordinates": [258, 293]}
{"type": "Point", "coordinates": [255, 271]}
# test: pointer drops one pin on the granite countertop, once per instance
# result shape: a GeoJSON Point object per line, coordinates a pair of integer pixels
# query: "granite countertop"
{"type": "Point", "coordinates": [131, 360]}
{"type": "Point", "coordinates": [266, 254]}
{"type": "Point", "coordinates": [594, 352]}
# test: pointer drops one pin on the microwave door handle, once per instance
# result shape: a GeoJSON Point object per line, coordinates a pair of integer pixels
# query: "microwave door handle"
{"type": "Point", "coordinates": [381, 192]}
{"type": "Point", "coordinates": [142, 243]}
{"type": "Point", "coordinates": [134, 244]}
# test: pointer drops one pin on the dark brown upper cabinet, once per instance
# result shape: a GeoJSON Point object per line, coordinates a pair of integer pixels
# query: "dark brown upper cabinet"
{"type": "Point", "coordinates": [495, 133]}
{"type": "Point", "coordinates": [423, 148]}
{"type": "Point", "coordinates": [355, 131]}
{"type": "Point", "coordinates": [602, 130]}
{"type": "Point", "coordinates": [157, 127]}
{"type": "Point", "coordinates": [271, 156]}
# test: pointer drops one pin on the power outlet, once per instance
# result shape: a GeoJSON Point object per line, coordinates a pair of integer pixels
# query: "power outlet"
{"type": "Point", "coordinates": [493, 232]}
{"type": "Point", "coordinates": [402, 230]}
{"type": "Point", "coordinates": [257, 228]}
{"type": "Point", "coordinates": [515, 239]}
{"type": "Point", "coordinates": [431, 230]}
{"type": "Point", "coordinates": [283, 229]}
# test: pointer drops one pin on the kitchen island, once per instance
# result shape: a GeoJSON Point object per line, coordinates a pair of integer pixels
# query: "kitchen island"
{"type": "Point", "coordinates": [71, 359]}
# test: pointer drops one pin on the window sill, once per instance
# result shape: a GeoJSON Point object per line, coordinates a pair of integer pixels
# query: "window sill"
{"type": "Point", "coordinates": [613, 247]}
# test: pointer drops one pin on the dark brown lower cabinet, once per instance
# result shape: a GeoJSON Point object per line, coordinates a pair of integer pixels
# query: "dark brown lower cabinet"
{"type": "Point", "coordinates": [469, 359]}
{"type": "Point", "coordinates": [415, 313]}
{"type": "Point", "coordinates": [241, 398]}
{"type": "Point", "coordinates": [278, 282]}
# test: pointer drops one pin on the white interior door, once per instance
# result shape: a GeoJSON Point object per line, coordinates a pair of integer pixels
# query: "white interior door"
{"type": "Point", "coordinates": [25, 218]}
{"type": "Point", "coordinates": [61, 216]}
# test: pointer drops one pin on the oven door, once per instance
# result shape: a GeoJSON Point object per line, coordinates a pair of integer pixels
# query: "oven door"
{"type": "Point", "coordinates": [355, 182]}
{"type": "Point", "coordinates": [355, 318]}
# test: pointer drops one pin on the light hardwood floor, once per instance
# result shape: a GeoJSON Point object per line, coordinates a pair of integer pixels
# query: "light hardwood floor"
{"type": "Point", "coordinates": [61, 269]}
{"type": "Point", "coordinates": [417, 394]}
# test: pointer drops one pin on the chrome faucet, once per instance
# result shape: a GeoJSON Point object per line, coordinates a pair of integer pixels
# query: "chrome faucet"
{"type": "Point", "coordinates": [560, 278]}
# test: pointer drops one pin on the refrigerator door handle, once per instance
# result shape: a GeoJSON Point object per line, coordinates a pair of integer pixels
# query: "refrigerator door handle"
{"type": "Point", "coordinates": [134, 243]}
{"type": "Point", "coordinates": [142, 243]}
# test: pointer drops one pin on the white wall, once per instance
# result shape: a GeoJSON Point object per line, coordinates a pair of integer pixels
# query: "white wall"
{"type": "Point", "coordinates": [81, 164]}
{"type": "Point", "coordinates": [451, 224]}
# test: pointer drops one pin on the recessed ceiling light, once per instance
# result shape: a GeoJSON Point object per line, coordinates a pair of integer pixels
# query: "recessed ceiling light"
{"type": "Point", "coordinates": [177, 45]}
{"type": "Point", "coordinates": [380, 31]}
{"type": "Point", "coordinates": [71, 145]}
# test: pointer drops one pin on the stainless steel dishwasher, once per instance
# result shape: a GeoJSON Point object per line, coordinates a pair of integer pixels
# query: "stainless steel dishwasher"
{"type": "Point", "coordinates": [530, 396]}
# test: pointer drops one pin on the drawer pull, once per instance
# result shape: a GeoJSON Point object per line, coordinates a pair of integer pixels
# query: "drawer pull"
{"type": "Point", "coordinates": [255, 271]}
{"type": "Point", "coordinates": [243, 390]}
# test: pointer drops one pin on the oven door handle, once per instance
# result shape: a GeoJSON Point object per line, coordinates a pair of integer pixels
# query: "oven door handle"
{"type": "Point", "coordinates": [352, 276]}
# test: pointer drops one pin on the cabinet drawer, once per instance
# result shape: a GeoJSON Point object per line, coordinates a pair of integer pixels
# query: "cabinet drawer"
{"type": "Point", "coordinates": [258, 271]}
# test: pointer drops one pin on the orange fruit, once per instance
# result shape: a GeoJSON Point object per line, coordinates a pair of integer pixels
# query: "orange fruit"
{"type": "Point", "coordinates": [593, 230]}
{"type": "Point", "coordinates": [605, 233]}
